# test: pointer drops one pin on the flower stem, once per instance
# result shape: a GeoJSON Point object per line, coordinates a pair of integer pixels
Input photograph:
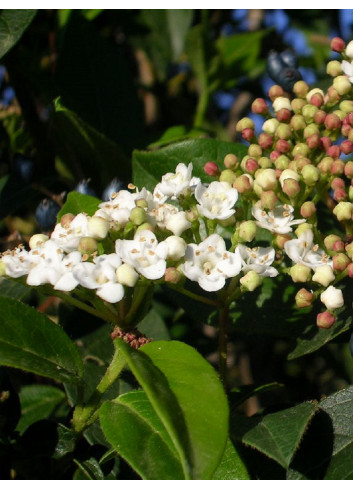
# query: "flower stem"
{"type": "Point", "coordinates": [192, 295]}
{"type": "Point", "coordinates": [85, 414]}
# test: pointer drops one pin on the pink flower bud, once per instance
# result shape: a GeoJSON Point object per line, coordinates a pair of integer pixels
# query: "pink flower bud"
{"type": "Point", "coordinates": [350, 270]}
{"type": "Point", "coordinates": [347, 147]}
{"type": "Point", "coordinates": [291, 187]}
{"type": "Point", "coordinates": [337, 183]}
{"type": "Point", "coordinates": [345, 129]}
{"type": "Point", "coordinates": [275, 91]}
{"type": "Point", "coordinates": [211, 168]}
{"type": "Point", "coordinates": [320, 116]}
{"type": "Point", "coordinates": [304, 298]}
{"type": "Point", "coordinates": [248, 134]}
{"type": "Point", "coordinates": [307, 210]}
{"type": "Point", "coordinates": [300, 88]}
{"type": "Point", "coordinates": [337, 167]}
{"type": "Point", "coordinates": [340, 194]}
{"type": "Point", "coordinates": [325, 320]}
{"type": "Point", "coordinates": [274, 155]}
{"type": "Point", "coordinates": [243, 184]}
{"type": "Point", "coordinates": [314, 141]}
{"type": "Point", "coordinates": [330, 240]}
{"type": "Point", "coordinates": [333, 151]}
{"type": "Point", "coordinates": [333, 95]}
{"type": "Point", "coordinates": [172, 275]}
{"type": "Point", "coordinates": [283, 115]}
{"type": "Point", "coordinates": [66, 220]}
{"type": "Point", "coordinates": [340, 261]}
{"type": "Point", "coordinates": [265, 140]}
{"type": "Point", "coordinates": [251, 166]}
{"type": "Point", "coordinates": [332, 122]}
{"type": "Point", "coordinates": [338, 246]}
{"type": "Point", "coordinates": [259, 106]}
{"type": "Point", "coordinates": [317, 99]}
{"type": "Point", "coordinates": [268, 200]}
{"type": "Point", "coordinates": [326, 142]}
{"type": "Point", "coordinates": [338, 44]}
{"type": "Point", "coordinates": [282, 146]}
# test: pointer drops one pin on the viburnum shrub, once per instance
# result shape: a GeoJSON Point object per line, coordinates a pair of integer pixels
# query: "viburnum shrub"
{"type": "Point", "coordinates": [284, 209]}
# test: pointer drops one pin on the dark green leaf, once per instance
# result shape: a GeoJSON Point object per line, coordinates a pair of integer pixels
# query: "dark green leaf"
{"type": "Point", "coordinates": [10, 408]}
{"type": "Point", "coordinates": [37, 402]}
{"type": "Point", "coordinates": [153, 326]}
{"type": "Point", "coordinates": [242, 46]}
{"type": "Point", "coordinates": [327, 448]}
{"type": "Point", "coordinates": [197, 54]}
{"type": "Point", "coordinates": [30, 341]}
{"type": "Point", "coordinates": [13, 194]}
{"type": "Point", "coordinates": [136, 432]}
{"type": "Point", "coordinates": [88, 470]}
{"type": "Point", "coordinates": [277, 435]}
{"type": "Point", "coordinates": [76, 203]}
{"type": "Point", "coordinates": [174, 134]}
{"type": "Point", "coordinates": [13, 288]}
{"type": "Point", "coordinates": [240, 394]}
{"type": "Point", "coordinates": [86, 150]}
{"type": "Point", "coordinates": [13, 23]}
{"type": "Point", "coordinates": [231, 467]}
{"type": "Point", "coordinates": [150, 166]}
{"type": "Point", "coordinates": [189, 399]}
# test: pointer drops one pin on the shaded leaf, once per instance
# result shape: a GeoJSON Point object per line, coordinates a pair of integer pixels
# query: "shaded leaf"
{"type": "Point", "coordinates": [231, 467]}
{"type": "Point", "coordinates": [136, 432]}
{"type": "Point", "coordinates": [150, 166]}
{"type": "Point", "coordinates": [37, 402]}
{"type": "Point", "coordinates": [30, 341]}
{"type": "Point", "coordinates": [13, 23]}
{"type": "Point", "coordinates": [88, 470]}
{"type": "Point", "coordinates": [277, 435]}
{"type": "Point", "coordinates": [240, 394]}
{"type": "Point", "coordinates": [76, 203]}
{"type": "Point", "coordinates": [13, 288]}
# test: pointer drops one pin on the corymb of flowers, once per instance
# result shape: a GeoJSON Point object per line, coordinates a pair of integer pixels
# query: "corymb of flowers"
{"type": "Point", "coordinates": [213, 232]}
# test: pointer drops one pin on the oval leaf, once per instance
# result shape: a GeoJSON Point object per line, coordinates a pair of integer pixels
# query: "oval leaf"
{"type": "Point", "coordinates": [13, 23]}
{"type": "Point", "coordinates": [135, 431]}
{"type": "Point", "coordinates": [30, 341]}
{"type": "Point", "coordinates": [76, 203]}
{"type": "Point", "coordinates": [188, 396]}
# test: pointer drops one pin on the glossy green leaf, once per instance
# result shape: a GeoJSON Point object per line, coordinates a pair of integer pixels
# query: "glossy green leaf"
{"type": "Point", "coordinates": [88, 470]}
{"type": "Point", "coordinates": [242, 46]}
{"type": "Point", "coordinates": [231, 467]}
{"type": "Point", "coordinates": [13, 23]}
{"type": "Point", "coordinates": [153, 326]}
{"type": "Point", "coordinates": [76, 203]}
{"type": "Point", "coordinates": [150, 166]}
{"type": "Point", "coordinates": [174, 134]}
{"type": "Point", "coordinates": [327, 448]}
{"type": "Point", "coordinates": [136, 432]}
{"type": "Point", "coordinates": [31, 342]}
{"type": "Point", "coordinates": [277, 435]}
{"type": "Point", "coordinates": [37, 402]}
{"type": "Point", "coordinates": [188, 397]}
{"type": "Point", "coordinates": [12, 288]}
{"type": "Point", "coordinates": [239, 395]}
{"type": "Point", "coordinates": [85, 149]}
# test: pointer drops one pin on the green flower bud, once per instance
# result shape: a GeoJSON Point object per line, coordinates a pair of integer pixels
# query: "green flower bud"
{"type": "Point", "coordinates": [98, 227]}
{"type": "Point", "coordinates": [126, 275]}
{"type": "Point", "coordinates": [324, 275]}
{"type": "Point", "coordinates": [37, 240]}
{"type": "Point", "coordinates": [310, 130]}
{"type": "Point", "coordinates": [283, 131]}
{"type": "Point", "coordinates": [304, 298]}
{"type": "Point", "coordinates": [343, 211]}
{"type": "Point", "coordinates": [282, 162]}
{"type": "Point", "coordinates": [231, 161]}
{"type": "Point", "coordinates": [303, 227]}
{"type": "Point", "coordinates": [266, 179]}
{"type": "Point", "coordinates": [310, 174]}
{"type": "Point", "coordinates": [245, 123]}
{"type": "Point", "coordinates": [297, 105]}
{"type": "Point", "coordinates": [300, 149]}
{"type": "Point", "coordinates": [334, 68]}
{"type": "Point", "coordinates": [342, 85]}
{"type": "Point", "coordinates": [247, 230]}
{"type": "Point", "coordinates": [227, 176]}
{"type": "Point", "coordinates": [251, 281]}
{"type": "Point", "coordinates": [300, 88]}
{"type": "Point", "coordinates": [87, 246]}
{"type": "Point", "coordinates": [270, 126]}
{"type": "Point", "coordinates": [2, 269]}
{"type": "Point", "coordinates": [300, 273]}
{"type": "Point", "coordinates": [298, 122]}
{"type": "Point", "coordinates": [138, 216]}
{"type": "Point", "coordinates": [308, 112]}
{"type": "Point", "coordinates": [254, 150]}
{"type": "Point", "coordinates": [264, 162]}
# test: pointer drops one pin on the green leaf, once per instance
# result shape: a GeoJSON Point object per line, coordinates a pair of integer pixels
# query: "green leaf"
{"type": "Point", "coordinates": [31, 342]}
{"type": "Point", "coordinates": [136, 432]}
{"type": "Point", "coordinates": [76, 203]}
{"type": "Point", "coordinates": [244, 47]}
{"type": "Point", "coordinates": [81, 145]}
{"type": "Point", "coordinates": [327, 448]}
{"type": "Point", "coordinates": [240, 394]}
{"type": "Point", "coordinates": [196, 51]}
{"type": "Point", "coordinates": [12, 288]}
{"type": "Point", "coordinates": [153, 326]}
{"type": "Point", "coordinates": [150, 166]}
{"type": "Point", "coordinates": [13, 193]}
{"type": "Point", "coordinates": [231, 467]}
{"type": "Point", "coordinates": [188, 397]}
{"type": "Point", "coordinates": [88, 470]}
{"type": "Point", "coordinates": [13, 23]}
{"type": "Point", "coordinates": [277, 435]}
{"type": "Point", "coordinates": [174, 134]}
{"type": "Point", "coordinates": [37, 402]}
{"type": "Point", "coordinates": [168, 30]}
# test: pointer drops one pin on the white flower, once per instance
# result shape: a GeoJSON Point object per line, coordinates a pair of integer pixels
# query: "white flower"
{"type": "Point", "coordinates": [258, 259]}
{"type": "Point", "coordinates": [176, 247]}
{"type": "Point", "coordinates": [210, 264]}
{"type": "Point", "coordinates": [144, 253]}
{"type": "Point", "coordinates": [119, 208]}
{"type": "Point", "coordinates": [347, 68]}
{"type": "Point", "coordinates": [168, 216]}
{"type": "Point", "coordinates": [17, 262]}
{"type": "Point", "coordinates": [68, 237]}
{"type": "Point", "coordinates": [217, 200]}
{"type": "Point", "coordinates": [102, 277]}
{"type": "Point", "coordinates": [332, 298]}
{"type": "Point", "coordinates": [281, 103]}
{"type": "Point", "coordinates": [303, 251]}
{"type": "Point", "coordinates": [324, 275]}
{"type": "Point", "coordinates": [279, 221]}
{"type": "Point", "coordinates": [175, 184]}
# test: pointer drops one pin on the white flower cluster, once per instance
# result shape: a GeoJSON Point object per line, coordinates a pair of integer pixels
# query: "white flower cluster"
{"type": "Point", "coordinates": [72, 256]}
